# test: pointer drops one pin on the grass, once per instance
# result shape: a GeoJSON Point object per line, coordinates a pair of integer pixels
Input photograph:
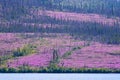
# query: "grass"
{"type": "Point", "coordinates": [56, 69]}
{"type": "Point", "coordinates": [68, 53]}
{"type": "Point", "coordinates": [26, 50]}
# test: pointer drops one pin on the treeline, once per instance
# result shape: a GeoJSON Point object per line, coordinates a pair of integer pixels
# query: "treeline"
{"type": "Point", "coordinates": [104, 7]}
{"type": "Point", "coordinates": [80, 30]}
{"type": "Point", "coordinates": [12, 9]}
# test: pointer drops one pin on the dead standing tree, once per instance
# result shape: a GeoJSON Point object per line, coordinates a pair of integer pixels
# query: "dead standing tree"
{"type": "Point", "coordinates": [55, 56]}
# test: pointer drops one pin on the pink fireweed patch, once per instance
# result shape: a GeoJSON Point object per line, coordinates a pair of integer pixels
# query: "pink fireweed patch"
{"type": "Point", "coordinates": [94, 56]}
{"type": "Point", "coordinates": [78, 17]}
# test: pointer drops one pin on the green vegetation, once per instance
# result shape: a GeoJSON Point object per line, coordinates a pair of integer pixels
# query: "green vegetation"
{"type": "Point", "coordinates": [26, 50]}
{"type": "Point", "coordinates": [57, 69]}
{"type": "Point", "coordinates": [68, 53]}
{"type": "Point", "coordinates": [4, 58]}
{"type": "Point", "coordinates": [76, 48]}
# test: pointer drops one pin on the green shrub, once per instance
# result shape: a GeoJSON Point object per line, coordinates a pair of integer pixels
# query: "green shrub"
{"type": "Point", "coordinates": [56, 69]}
{"type": "Point", "coordinates": [4, 58]}
{"type": "Point", "coordinates": [27, 49]}
{"type": "Point", "coordinates": [67, 54]}
{"type": "Point", "coordinates": [76, 48]}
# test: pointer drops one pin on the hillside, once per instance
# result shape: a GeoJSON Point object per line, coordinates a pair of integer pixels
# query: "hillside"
{"type": "Point", "coordinates": [60, 36]}
{"type": "Point", "coordinates": [15, 8]}
{"type": "Point", "coordinates": [80, 18]}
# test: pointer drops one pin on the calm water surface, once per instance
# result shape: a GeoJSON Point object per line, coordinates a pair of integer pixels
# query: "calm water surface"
{"type": "Point", "coordinates": [59, 76]}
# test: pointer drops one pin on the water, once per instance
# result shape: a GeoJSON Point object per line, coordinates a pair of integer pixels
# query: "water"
{"type": "Point", "coordinates": [59, 76]}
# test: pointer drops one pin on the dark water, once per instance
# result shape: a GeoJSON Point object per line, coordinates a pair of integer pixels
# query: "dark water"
{"type": "Point", "coordinates": [59, 76]}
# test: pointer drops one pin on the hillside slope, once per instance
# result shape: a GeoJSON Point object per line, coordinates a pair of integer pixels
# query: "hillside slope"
{"type": "Point", "coordinates": [13, 9]}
